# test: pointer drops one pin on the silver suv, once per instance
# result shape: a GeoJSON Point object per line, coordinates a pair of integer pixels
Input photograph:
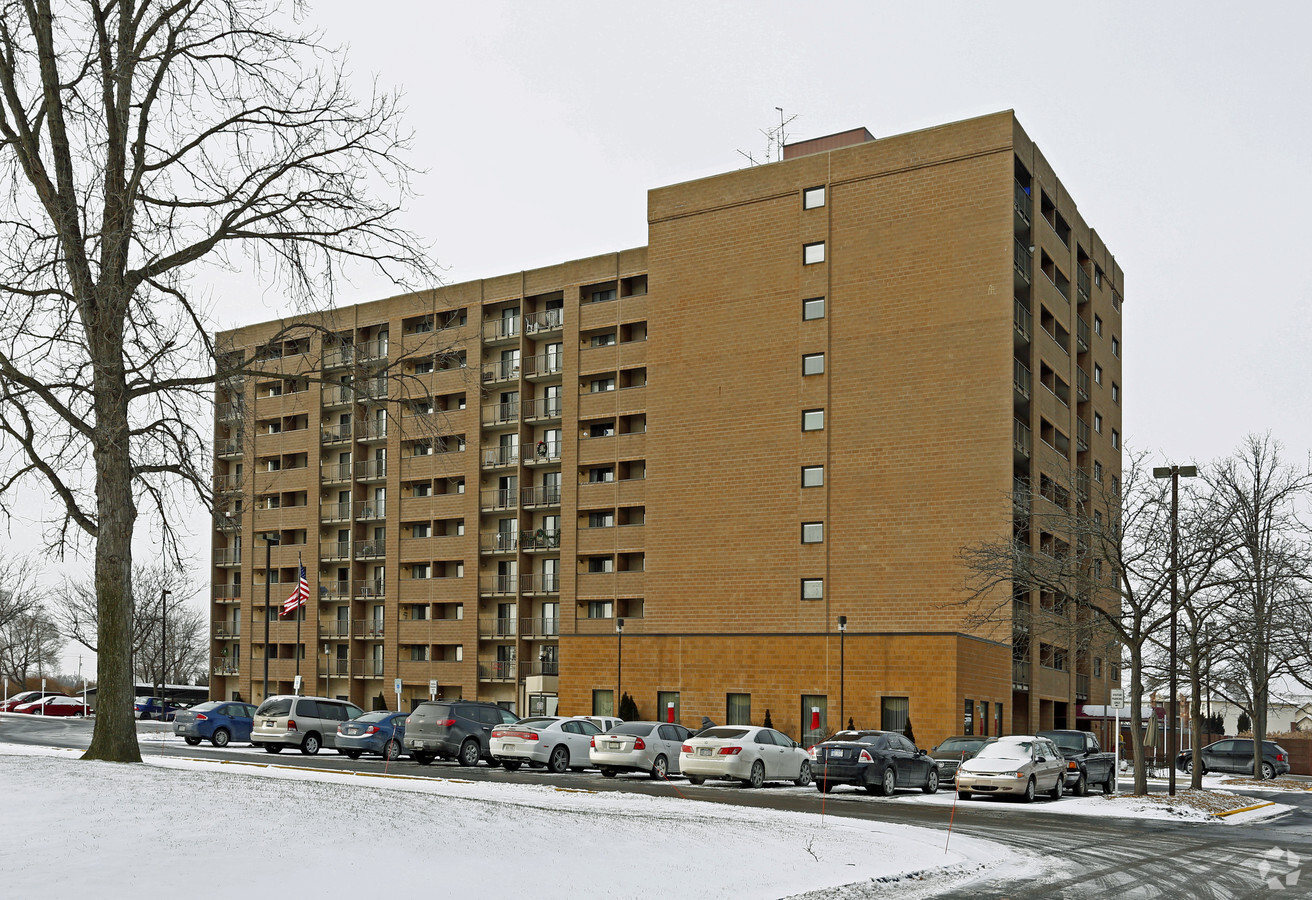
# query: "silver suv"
{"type": "Point", "coordinates": [305, 722]}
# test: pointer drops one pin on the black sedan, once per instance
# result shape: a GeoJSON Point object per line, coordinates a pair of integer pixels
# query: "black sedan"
{"type": "Point", "coordinates": [1236, 755]}
{"type": "Point", "coordinates": [879, 761]}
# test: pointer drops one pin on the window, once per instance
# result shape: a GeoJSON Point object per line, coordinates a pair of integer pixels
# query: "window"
{"type": "Point", "coordinates": [420, 530]}
{"type": "Point", "coordinates": [1116, 486]}
{"type": "Point", "coordinates": [424, 367]}
{"type": "Point", "coordinates": [601, 519]}
{"type": "Point", "coordinates": [813, 419]}
{"type": "Point", "coordinates": [601, 564]}
{"type": "Point", "coordinates": [1097, 325]}
{"type": "Point", "coordinates": [813, 308]}
{"type": "Point", "coordinates": [814, 197]}
{"type": "Point", "coordinates": [602, 340]}
{"type": "Point", "coordinates": [1116, 439]}
{"type": "Point", "coordinates": [1097, 374]}
{"type": "Point", "coordinates": [602, 384]}
{"type": "Point", "coordinates": [419, 570]}
{"type": "Point", "coordinates": [813, 532]}
{"type": "Point", "coordinates": [1116, 347]}
{"type": "Point", "coordinates": [1116, 393]}
{"type": "Point", "coordinates": [1097, 276]}
{"type": "Point", "coordinates": [1097, 422]}
{"type": "Point", "coordinates": [968, 719]}
{"type": "Point", "coordinates": [813, 476]}
{"type": "Point", "coordinates": [603, 702]}
{"type": "Point", "coordinates": [602, 296]}
{"type": "Point", "coordinates": [813, 364]}
{"type": "Point", "coordinates": [667, 702]}
{"type": "Point", "coordinates": [1097, 472]}
{"type": "Point", "coordinates": [600, 609]}
{"type": "Point", "coordinates": [1097, 667]}
{"type": "Point", "coordinates": [815, 718]}
{"type": "Point", "coordinates": [601, 429]}
{"type": "Point", "coordinates": [813, 253]}
{"type": "Point", "coordinates": [738, 709]}
{"type": "Point", "coordinates": [893, 713]}
{"type": "Point", "coordinates": [813, 588]}
{"type": "Point", "coordinates": [600, 474]}
{"type": "Point", "coordinates": [984, 718]}
{"type": "Point", "coordinates": [421, 489]}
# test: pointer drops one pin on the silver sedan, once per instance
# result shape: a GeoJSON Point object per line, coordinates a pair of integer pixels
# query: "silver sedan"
{"type": "Point", "coordinates": [651, 747]}
{"type": "Point", "coordinates": [1018, 764]}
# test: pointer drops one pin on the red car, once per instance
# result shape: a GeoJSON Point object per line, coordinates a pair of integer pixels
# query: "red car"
{"type": "Point", "coordinates": [54, 706]}
{"type": "Point", "coordinates": [26, 697]}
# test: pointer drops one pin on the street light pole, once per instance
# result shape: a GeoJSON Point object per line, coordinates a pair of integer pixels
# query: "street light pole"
{"type": "Point", "coordinates": [269, 541]}
{"type": "Point", "coordinates": [164, 651]}
{"type": "Point", "coordinates": [619, 663]}
{"type": "Point", "coordinates": [842, 670]}
{"type": "Point", "coordinates": [1175, 473]}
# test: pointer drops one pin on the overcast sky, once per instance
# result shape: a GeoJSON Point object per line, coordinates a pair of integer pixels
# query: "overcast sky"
{"type": "Point", "coordinates": [1180, 129]}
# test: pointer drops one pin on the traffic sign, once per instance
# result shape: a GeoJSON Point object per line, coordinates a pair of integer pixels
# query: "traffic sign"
{"type": "Point", "coordinates": [396, 687]}
{"type": "Point", "coordinates": [1118, 698]}
{"type": "Point", "coordinates": [432, 689]}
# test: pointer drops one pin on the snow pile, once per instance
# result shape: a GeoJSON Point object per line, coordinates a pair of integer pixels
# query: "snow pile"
{"type": "Point", "coordinates": [184, 827]}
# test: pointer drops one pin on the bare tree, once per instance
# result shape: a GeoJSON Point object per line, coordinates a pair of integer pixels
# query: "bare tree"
{"type": "Point", "coordinates": [32, 646]}
{"type": "Point", "coordinates": [137, 142]}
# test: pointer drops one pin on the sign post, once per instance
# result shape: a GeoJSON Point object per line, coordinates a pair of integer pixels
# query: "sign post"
{"type": "Point", "coordinates": [432, 689]}
{"type": "Point", "coordinates": [297, 685]}
{"type": "Point", "coordinates": [396, 686]}
{"type": "Point", "coordinates": [1118, 701]}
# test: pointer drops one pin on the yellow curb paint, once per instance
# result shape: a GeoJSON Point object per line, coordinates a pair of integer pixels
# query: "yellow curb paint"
{"type": "Point", "coordinates": [1231, 812]}
{"type": "Point", "coordinates": [561, 790]}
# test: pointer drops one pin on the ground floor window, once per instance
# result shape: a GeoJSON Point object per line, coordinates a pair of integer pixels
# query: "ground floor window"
{"type": "Point", "coordinates": [738, 709]}
{"type": "Point", "coordinates": [968, 720]}
{"type": "Point", "coordinates": [893, 714]}
{"type": "Point", "coordinates": [814, 719]}
{"type": "Point", "coordinates": [664, 709]}
{"type": "Point", "coordinates": [603, 703]}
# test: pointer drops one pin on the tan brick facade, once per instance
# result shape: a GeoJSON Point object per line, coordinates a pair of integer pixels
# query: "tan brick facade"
{"type": "Point", "coordinates": [670, 490]}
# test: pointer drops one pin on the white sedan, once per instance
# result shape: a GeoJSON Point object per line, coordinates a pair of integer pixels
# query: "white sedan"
{"type": "Point", "coordinates": [650, 747]}
{"type": "Point", "coordinates": [749, 753]}
{"type": "Point", "coordinates": [556, 743]}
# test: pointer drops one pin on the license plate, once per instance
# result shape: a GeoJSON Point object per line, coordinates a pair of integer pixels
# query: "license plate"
{"type": "Point", "coordinates": [508, 745]}
{"type": "Point", "coordinates": [837, 754]}
{"type": "Point", "coordinates": [613, 745]}
{"type": "Point", "coordinates": [703, 751]}
{"type": "Point", "coordinates": [268, 723]}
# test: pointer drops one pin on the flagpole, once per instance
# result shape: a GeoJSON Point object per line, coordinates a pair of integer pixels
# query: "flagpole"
{"type": "Point", "coordinates": [300, 569]}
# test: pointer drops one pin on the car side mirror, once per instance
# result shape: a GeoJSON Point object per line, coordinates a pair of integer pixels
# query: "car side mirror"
{"type": "Point", "coordinates": [920, 752]}
{"type": "Point", "coordinates": [796, 746]}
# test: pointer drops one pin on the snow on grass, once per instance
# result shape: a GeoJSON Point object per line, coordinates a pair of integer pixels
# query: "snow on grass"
{"type": "Point", "coordinates": [199, 828]}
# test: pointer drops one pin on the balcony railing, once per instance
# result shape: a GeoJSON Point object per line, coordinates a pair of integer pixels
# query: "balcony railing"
{"type": "Point", "coordinates": [372, 509]}
{"type": "Point", "coordinates": [374, 430]}
{"type": "Point", "coordinates": [1021, 378]}
{"type": "Point", "coordinates": [543, 408]}
{"type": "Point", "coordinates": [334, 550]}
{"type": "Point", "coordinates": [1082, 285]}
{"type": "Point", "coordinates": [1021, 438]}
{"type": "Point", "coordinates": [330, 473]}
{"type": "Point", "coordinates": [546, 667]}
{"type": "Point", "coordinates": [501, 414]}
{"type": "Point", "coordinates": [367, 469]}
{"type": "Point", "coordinates": [1024, 203]}
{"type": "Point", "coordinates": [1021, 316]}
{"type": "Point", "coordinates": [503, 370]}
{"type": "Point", "coordinates": [540, 495]}
{"type": "Point", "coordinates": [544, 365]}
{"type": "Point", "coordinates": [1082, 435]}
{"type": "Point", "coordinates": [340, 355]}
{"type": "Point", "coordinates": [334, 434]}
{"type": "Point", "coordinates": [230, 447]}
{"type": "Point", "coordinates": [539, 627]}
{"type": "Point", "coordinates": [228, 483]}
{"type": "Point", "coordinates": [227, 592]}
{"type": "Point", "coordinates": [334, 628]}
{"type": "Point", "coordinates": [335, 512]}
{"type": "Point", "coordinates": [335, 668]}
{"type": "Point", "coordinates": [540, 583]}
{"type": "Point", "coordinates": [227, 521]}
{"type": "Point", "coordinates": [1024, 262]}
{"type": "Point", "coordinates": [368, 628]}
{"type": "Point", "coordinates": [497, 627]}
{"type": "Point", "coordinates": [226, 667]}
{"type": "Point", "coordinates": [507, 455]}
{"type": "Point", "coordinates": [231, 412]}
{"type": "Point", "coordinates": [499, 498]}
{"type": "Point", "coordinates": [370, 587]}
{"type": "Point", "coordinates": [227, 556]}
{"type": "Point", "coordinates": [375, 549]}
{"type": "Point", "coordinates": [498, 585]}
{"type": "Point", "coordinates": [1020, 673]}
{"type": "Point", "coordinates": [371, 350]}
{"type": "Point", "coordinates": [501, 329]}
{"type": "Point", "coordinates": [1081, 335]}
{"type": "Point", "coordinates": [543, 320]}
{"type": "Point", "coordinates": [337, 394]}
{"type": "Point", "coordinates": [227, 628]}
{"type": "Point", "coordinates": [498, 541]}
{"type": "Point", "coordinates": [1081, 384]}
{"type": "Point", "coordinates": [374, 389]}
{"type": "Point", "coordinates": [541, 539]}
{"type": "Point", "coordinates": [497, 670]}
{"type": "Point", "coordinates": [334, 590]}
{"type": "Point", "coordinates": [367, 668]}
{"type": "Point", "coordinates": [542, 452]}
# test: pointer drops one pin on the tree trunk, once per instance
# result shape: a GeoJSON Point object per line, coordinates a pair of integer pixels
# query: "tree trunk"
{"type": "Point", "coordinates": [1195, 716]}
{"type": "Point", "coordinates": [1136, 728]}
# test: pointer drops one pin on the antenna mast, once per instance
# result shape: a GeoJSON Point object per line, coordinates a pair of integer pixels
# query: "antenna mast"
{"type": "Point", "coordinates": [775, 138]}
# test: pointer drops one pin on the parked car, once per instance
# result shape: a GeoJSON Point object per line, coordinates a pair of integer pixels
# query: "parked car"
{"type": "Point", "coordinates": [27, 697]}
{"type": "Point", "coordinates": [651, 747]}
{"type": "Point", "coordinates": [749, 753]}
{"type": "Point", "coordinates": [956, 750]}
{"type": "Point", "coordinates": [216, 721]}
{"type": "Point", "coordinates": [304, 722]}
{"type": "Point", "coordinates": [878, 761]}
{"type": "Point", "coordinates": [1086, 762]}
{"type": "Point", "coordinates": [53, 706]}
{"type": "Point", "coordinates": [1016, 764]}
{"type": "Point", "coordinates": [454, 729]}
{"type": "Point", "coordinates": [1236, 755]}
{"type": "Point", "coordinates": [380, 732]}
{"type": "Point", "coordinates": [550, 741]}
{"type": "Point", "coordinates": [605, 723]}
{"type": "Point", "coordinates": [154, 708]}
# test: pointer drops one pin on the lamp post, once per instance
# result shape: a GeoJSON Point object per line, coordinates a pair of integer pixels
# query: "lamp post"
{"type": "Point", "coordinates": [842, 670]}
{"type": "Point", "coordinates": [619, 663]}
{"type": "Point", "coordinates": [269, 540]}
{"type": "Point", "coordinates": [327, 671]}
{"type": "Point", "coordinates": [163, 651]}
{"type": "Point", "coordinates": [1175, 473]}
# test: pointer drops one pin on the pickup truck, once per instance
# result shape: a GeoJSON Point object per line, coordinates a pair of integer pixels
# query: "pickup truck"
{"type": "Point", "coordinates": [1086, 763]}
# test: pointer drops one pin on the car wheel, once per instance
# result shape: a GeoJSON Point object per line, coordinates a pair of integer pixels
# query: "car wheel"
{"type": "Point", "coordinates": [696, 779]}
{"type": "Point", "coordinates": [1268, 771]}
{"type": "Point", "coordinates": [424, 759]}
{"type": "Point", "coordinates": [559, 760]}
{"type": "Point", "coordinates": [144, 715]}
{"type": "Point", "coordinates": [310, 746]}
{"type": "Point", "coordinates": [1109, 786]}
{"type": "Point", "coordinates": [1057, 788]}
{"type": "Point", "coordinates": [468, 753]}
{"type": "Point", "coordinates": [889, 783]}
{"type": "Point", "coordinates": [1081, 785]}
{"type": "Point", "coordinates": [931, 783]}
{"type": "Point", "coordinates": [660, 768]}
{"type": "Point", "coordinates": [1028, 796]}
{"type": "Point", "coordinates": [1187, 767]}
{"type": "Point", "coordinates": [273, 748]}
{"type": "Point", "coordinates": [391, 750]}
{"type": "Point", "coordinates": [757, 776]}
{"type": "Point", "coordinates": [610, 773]}
{"type": "Point", "coordinates": [350, 754]}
{"type": "Point", "coordinates": [192, 741]}
{"type": "Point", "coordinates": [804, 776]}
{"type": "Point", "coordinates": [220, 737]}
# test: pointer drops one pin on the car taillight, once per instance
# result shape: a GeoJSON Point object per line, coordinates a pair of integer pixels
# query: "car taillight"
{"type": "Point", "coordinates": [592, 742]}
{"type": "Point", "coordinates": [730, 751]}
{"type": "Point", "coordinates": [291, 724]}
{"type": "Point", "coordinates": [865, 757]}
{"type": "Point", "coordinates": [686, 748]}
{"type": "Point", "coordinates": [1280, 757]}
{"type": "Point", "coordinates": [447, 723]}
{"type": "Point", "coordinates": [639, 745]}
{"type": "Point", "coordinates": [201, 717]}
{"type": "Point", "coordinates": [372, 729]}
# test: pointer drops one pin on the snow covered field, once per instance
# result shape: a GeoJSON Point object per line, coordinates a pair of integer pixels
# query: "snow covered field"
{"type": "Point", "coordinates": [181, 827]}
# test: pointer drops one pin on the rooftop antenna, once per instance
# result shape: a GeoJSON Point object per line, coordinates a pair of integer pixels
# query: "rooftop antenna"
{"type": "Point", "coordinates": [775, 138]}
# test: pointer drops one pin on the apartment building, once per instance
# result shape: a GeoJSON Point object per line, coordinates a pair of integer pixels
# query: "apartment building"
{"type": "Point", "coordinates": [701, 472]}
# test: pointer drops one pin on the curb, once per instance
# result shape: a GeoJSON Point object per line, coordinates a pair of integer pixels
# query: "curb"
{"type": "Point", "coordinates": [1232, 812]}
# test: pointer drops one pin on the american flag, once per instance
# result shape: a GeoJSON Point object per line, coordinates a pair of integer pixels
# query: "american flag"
{"type": "Point", "coordinates": [299, 596]}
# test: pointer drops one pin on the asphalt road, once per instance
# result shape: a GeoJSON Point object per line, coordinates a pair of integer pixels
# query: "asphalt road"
{"type": "Point", "coordinates": [1087, 857]}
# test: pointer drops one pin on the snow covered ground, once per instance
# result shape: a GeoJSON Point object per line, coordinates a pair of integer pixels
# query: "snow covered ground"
{"type": "Point", "coordinates": [187, 827]}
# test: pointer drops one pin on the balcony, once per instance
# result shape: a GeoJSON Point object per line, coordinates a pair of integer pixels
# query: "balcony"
{"type": "Point", "coordinates": [542, 453]}
{"type": "Point", "coordinates": [334, 628]}
{"type": "Point", "coordinates": [337, 395]}
{"type": "Point", "coordinates": [1021, 317]}
{"type": "Point", "coordinates": [498, 372]}
{"type": "Point", "coordinates": [498, 542]}
{"type": "Point", "coordinates": [371, 351]}
{"type": "Point", "coordinates": [1023, 261]}
{"type": "Point", "coordinates": [1082, 285]}
{"type": "Point", "coordinates": [226, 593]}
{"type": "Point", "coordinates": [335, 512]}
{"type": "Point", "coordinates": [372, 509]}
{"type": "Point", "coordinates": [226, 629]}
{"type": "Point", "coordinates": [497, 670]}
{"type": "Point", "coordinates": [369, 629]}
{"type": "Point", "coordinates": [335, 473]}
{"type": "Point", "coordinates": [543, 495]}
{"type": "Point", "coordinates": [334, 591]}
{"type": "Point", "coordinates": [230, 448]}
{"type": "Point", "coordinates": [1022, 441]}
{"type": "Point", "coordinates": [1082, 337]}
{"type": "Point", "coordinates": [544, 320]}
{"type": "Point", "coordinates": [227, 556]}
{"type": "Point", "coordinates": [541, 583]}
{"type": "Point", "coordinates": [1081, 385]}
{"type": "Point", "coordinates": [371, 469]}
{"type": "Point", "coordinates": [539, 540]}
{"type": "Point", "coordinates": [1021, 379]}
{"type": "Point", "coordinates": [373, 430]}
{"type": "Point", "coordinates": [334, 551]}
{"type": "Point", "coordinates": [228, 522]}
{"type": "Point", "coordinates": [497, 457]}
{"type": "Point", "coordinates": [499, 498]}
{"type": "Point", "coordinates": [1024, 204]}
{"type": "Point", "coordinates": [226, 666]}
{"type": "Point", "coordinates": [501, 330]}
{"type": "Point", "coordinates": [334, 434]}
{"type": "Point", "coordinates": [373, 389]}
{"type": "Point", "coordinates": [543, 409]}
{"type": "Point", "coordinates": [366, 668]}
{"type": "Point", "coordinates": [334, 668]}
{"type": "Point", "coordinates": [370, 589]}
{"type": "Point", "coordinates": [498, 585]}
{"type": "Point", "coordinates": [539, 628]}
{"type": "Point", "coordinates": [1082, 436]}
{"type": "Point", "coordinates": [375, 549]}
{"type": "Point", "coordinates": [338, 356]}
{"type": "Point", "coordinates": [544, 366]}
{"type": "Point", "coordinates": [231, 412]}
{"type": "Point", "coordinates": [496, 414]}
{"type": "Point", "coordinates": [1020, 675]}
{"type": "Point", "coordinates": [497, 628]}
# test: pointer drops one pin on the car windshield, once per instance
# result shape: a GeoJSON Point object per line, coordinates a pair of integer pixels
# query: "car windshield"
{"type": "Point", "coordinates": [1005, 750]}
{"type": "Point", "coordinates": [640, 729]}
{"type": "Point", "coordinates": [726, 733]}
{"type": "Point", "coordinates": [207, 706]}
{"type": "Point", "coordinates": [1073, 742]}
{"type": "Point", "coordinates": [961, 745]}
{"type": "Point", "coordinates": [278, 706]}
